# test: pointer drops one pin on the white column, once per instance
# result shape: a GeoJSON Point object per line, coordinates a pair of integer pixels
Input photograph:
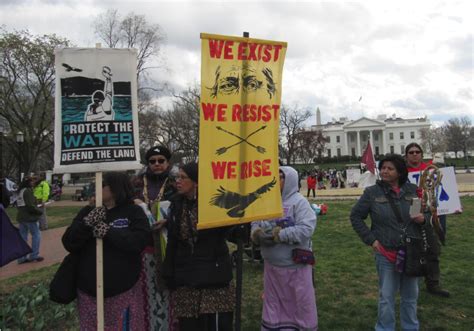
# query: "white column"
{"type": "Point", "coordinates": [371, 139]}
{"type": "Point", "coordinates": [384, 141]}
{"type": "Point", "coordinates": [346, 145]}
{"type": "Point", "coordinates": [358, 143]}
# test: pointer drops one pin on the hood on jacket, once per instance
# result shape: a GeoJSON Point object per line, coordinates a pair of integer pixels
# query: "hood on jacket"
{"type": "Point", "coordinates": [291, 182]}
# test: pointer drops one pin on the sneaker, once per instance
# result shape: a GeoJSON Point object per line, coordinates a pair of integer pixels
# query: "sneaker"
{"type": "Point", "coordinates": [38, 259]}
{"type": "Point", "coordinates": [438, 291]}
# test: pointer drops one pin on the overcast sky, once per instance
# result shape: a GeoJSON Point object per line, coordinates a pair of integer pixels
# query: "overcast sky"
{"type": "Point", "coordinates": [411, 58]}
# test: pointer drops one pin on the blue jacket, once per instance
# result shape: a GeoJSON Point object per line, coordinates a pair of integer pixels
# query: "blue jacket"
{"type": "Point", "coordinates": [384, 226]}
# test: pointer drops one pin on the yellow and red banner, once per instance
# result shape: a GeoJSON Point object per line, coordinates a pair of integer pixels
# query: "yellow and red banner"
{"type": "Point", "coordinates": [238, 141]}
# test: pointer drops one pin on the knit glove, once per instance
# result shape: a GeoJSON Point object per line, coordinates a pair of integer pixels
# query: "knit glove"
{"type": "Point", "coordinates": [95, 216]}
{"type": "Point", "coordinates": [276, 234]}
{"type": "Point", "coordinates": [100, 229]}
{"type": "Point", "coordinates": [259, 237]}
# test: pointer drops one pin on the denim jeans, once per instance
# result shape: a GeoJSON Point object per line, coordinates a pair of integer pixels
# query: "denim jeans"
{"type": "Point", "coordinates": [33, 228]}
{"type": "Point", "coordinates": [390, 282]}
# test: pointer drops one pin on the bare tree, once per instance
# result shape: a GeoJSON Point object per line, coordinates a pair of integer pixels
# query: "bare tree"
{"type": "Point", "coordinates": [432, 140]}
{"type": "Point", "coordinates": [309, 145]}
{"type": "Point", "coordinates": [132, 31]}
{"type": "Point", "coordinates": [26, 97]}
{"type": "Point", "coordinates": [458, 134]}
{"type": "Point", "coordinates": [291, 124]}
{"type": "Point", "coordinates": [176, 128]}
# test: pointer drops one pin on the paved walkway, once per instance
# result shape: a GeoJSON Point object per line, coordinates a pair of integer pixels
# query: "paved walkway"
{"type": "Point", "coordinates": [51, 249]}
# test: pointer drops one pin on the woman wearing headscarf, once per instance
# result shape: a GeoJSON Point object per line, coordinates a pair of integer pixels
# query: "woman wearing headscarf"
{"type": "Point", "coordinates": [289, 301]}
{"type": "Point", "coordinates": [197, 266]}
{"type": "Point", "coordinates": [386, 236]}
{"type": "Point", "coordinates": [125, 231]}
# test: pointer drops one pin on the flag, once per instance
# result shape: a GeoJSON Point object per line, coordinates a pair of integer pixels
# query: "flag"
{"type": "Point", "coordinates": [13, 245]}
{"type": "Point", "coordinates": [368, 158]}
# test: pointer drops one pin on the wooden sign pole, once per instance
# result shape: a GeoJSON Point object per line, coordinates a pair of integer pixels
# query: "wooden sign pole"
{"type": "Point", "coordinates": [99, 259]}
{"type": "Point", "coordinates": [99, 253]}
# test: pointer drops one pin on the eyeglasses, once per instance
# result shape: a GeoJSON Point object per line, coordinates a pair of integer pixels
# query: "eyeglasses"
{"type": "Point", "coordinates": [160, 161]}
{"type": "Point", "coordinates": [414, 152]}
{"type": "Point", "coordinates": [182, 177]}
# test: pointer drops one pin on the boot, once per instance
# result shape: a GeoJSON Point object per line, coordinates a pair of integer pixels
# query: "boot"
{"type": "Point", "coordinates": [437, 290]}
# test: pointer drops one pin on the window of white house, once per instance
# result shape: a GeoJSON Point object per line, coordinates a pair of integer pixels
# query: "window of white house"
{"type": "Point", "coordinates": [401, 135]}
{"type": "Point", "coordinates": [376, 137]}
{"type": "Point", "coordinates": [329, 152]}
{"type": "Point", "coordinates": [402, 149]}
{"type": "Point", "coordinates": [338, 139]}
{"type": "Point", "coordinates": [338, 152]}
{"type": "Point", "coordinates": [392, 149]}
{"type": "Point", "coordinates": [412, 134]}
{"type": "Point", "coordinates": [390, 136]}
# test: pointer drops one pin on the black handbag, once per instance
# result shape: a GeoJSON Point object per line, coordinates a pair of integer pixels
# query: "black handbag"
{"type": "Point", "coordinates": [416, 248]}
{"type": "Point", "coordinates": [415, 260]}
{"type": "Point", "coordinates": [63, 287]}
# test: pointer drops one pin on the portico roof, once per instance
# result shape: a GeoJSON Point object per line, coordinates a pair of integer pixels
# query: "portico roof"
{"type": "Point", "coordinates": [364, 123]}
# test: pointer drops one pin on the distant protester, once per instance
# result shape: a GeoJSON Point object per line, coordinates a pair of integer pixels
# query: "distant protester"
{"type": "Point", "coordinates": [28, 219]}
{"type": "Point", "coordinates": [41, 192]}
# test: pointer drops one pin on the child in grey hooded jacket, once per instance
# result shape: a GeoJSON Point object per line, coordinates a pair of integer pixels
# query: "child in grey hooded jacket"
{"type": "Point", "coordinates": [289, 299]}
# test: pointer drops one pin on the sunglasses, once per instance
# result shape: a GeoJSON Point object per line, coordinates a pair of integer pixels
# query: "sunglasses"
{"type": "Point", "coordinates": [160, 161]}
{"type": "Point", "coordinates": [414, 152]}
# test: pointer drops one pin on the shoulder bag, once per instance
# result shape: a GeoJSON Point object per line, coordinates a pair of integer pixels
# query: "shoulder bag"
{"type": "Point", "coordinates": [415, 248]}
{"type": "Point", "coordinates": [63, 287]}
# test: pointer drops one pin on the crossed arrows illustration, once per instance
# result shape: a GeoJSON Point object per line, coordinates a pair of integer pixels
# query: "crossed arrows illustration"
{"type": "Point", "coordinates": [259, 149]}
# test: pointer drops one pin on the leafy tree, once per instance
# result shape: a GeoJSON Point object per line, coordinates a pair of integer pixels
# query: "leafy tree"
{"type": "Point", "coordinates": [291, 125]}
{"type": "Point", "coordinates": [26, 97]}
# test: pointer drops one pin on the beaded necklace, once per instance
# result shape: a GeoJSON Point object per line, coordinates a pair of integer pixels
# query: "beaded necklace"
{"type": "Point", "coordinates": [145, 191]}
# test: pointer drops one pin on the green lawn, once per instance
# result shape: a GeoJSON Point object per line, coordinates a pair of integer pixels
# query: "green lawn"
{"type": "Point", "coordinates": [57, 216]}
{"type": "Point", "coordinates": [345, 278]}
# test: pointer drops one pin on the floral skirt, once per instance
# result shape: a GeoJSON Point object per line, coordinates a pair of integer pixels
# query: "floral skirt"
{"type": "Point", "coordinates": [124, 311]}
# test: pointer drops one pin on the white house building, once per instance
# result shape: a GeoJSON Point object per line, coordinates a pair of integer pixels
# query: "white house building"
{"type": "Point", "coordinates": [386, 134]}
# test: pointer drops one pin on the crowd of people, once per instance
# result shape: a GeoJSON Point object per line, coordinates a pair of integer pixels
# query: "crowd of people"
{"type": "Point", "coordinates": [148, 224]}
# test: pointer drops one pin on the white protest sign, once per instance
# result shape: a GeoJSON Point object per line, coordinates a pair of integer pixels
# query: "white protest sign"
{"type": "Point", "coordinates": [447, 193]}
{"type": "Point", "coordinates": [96, 114]}
{"type": "Point", "coordinates": [353, 176]}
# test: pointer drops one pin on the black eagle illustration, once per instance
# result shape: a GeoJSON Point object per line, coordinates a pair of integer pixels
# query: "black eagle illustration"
{"type": "Point", "coordinates": [237, 203]}
{"type": "Point", "coordinates": [69, 68]}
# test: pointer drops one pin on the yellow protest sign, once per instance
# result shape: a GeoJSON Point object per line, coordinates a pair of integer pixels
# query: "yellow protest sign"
{"type": "Point", "coordinates": [238, 141]}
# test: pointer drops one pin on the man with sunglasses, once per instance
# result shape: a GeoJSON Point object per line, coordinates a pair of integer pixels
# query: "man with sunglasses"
{"type": "Point", "coordinates": [414, 159]}
{"type": "Point", "coordinates": [155, 182]}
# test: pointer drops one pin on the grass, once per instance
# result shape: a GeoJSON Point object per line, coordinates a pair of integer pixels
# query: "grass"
{"type": "Point", "coordinates": [345, 278]}
{"type": "Point", "coordinates": [57, 216]}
